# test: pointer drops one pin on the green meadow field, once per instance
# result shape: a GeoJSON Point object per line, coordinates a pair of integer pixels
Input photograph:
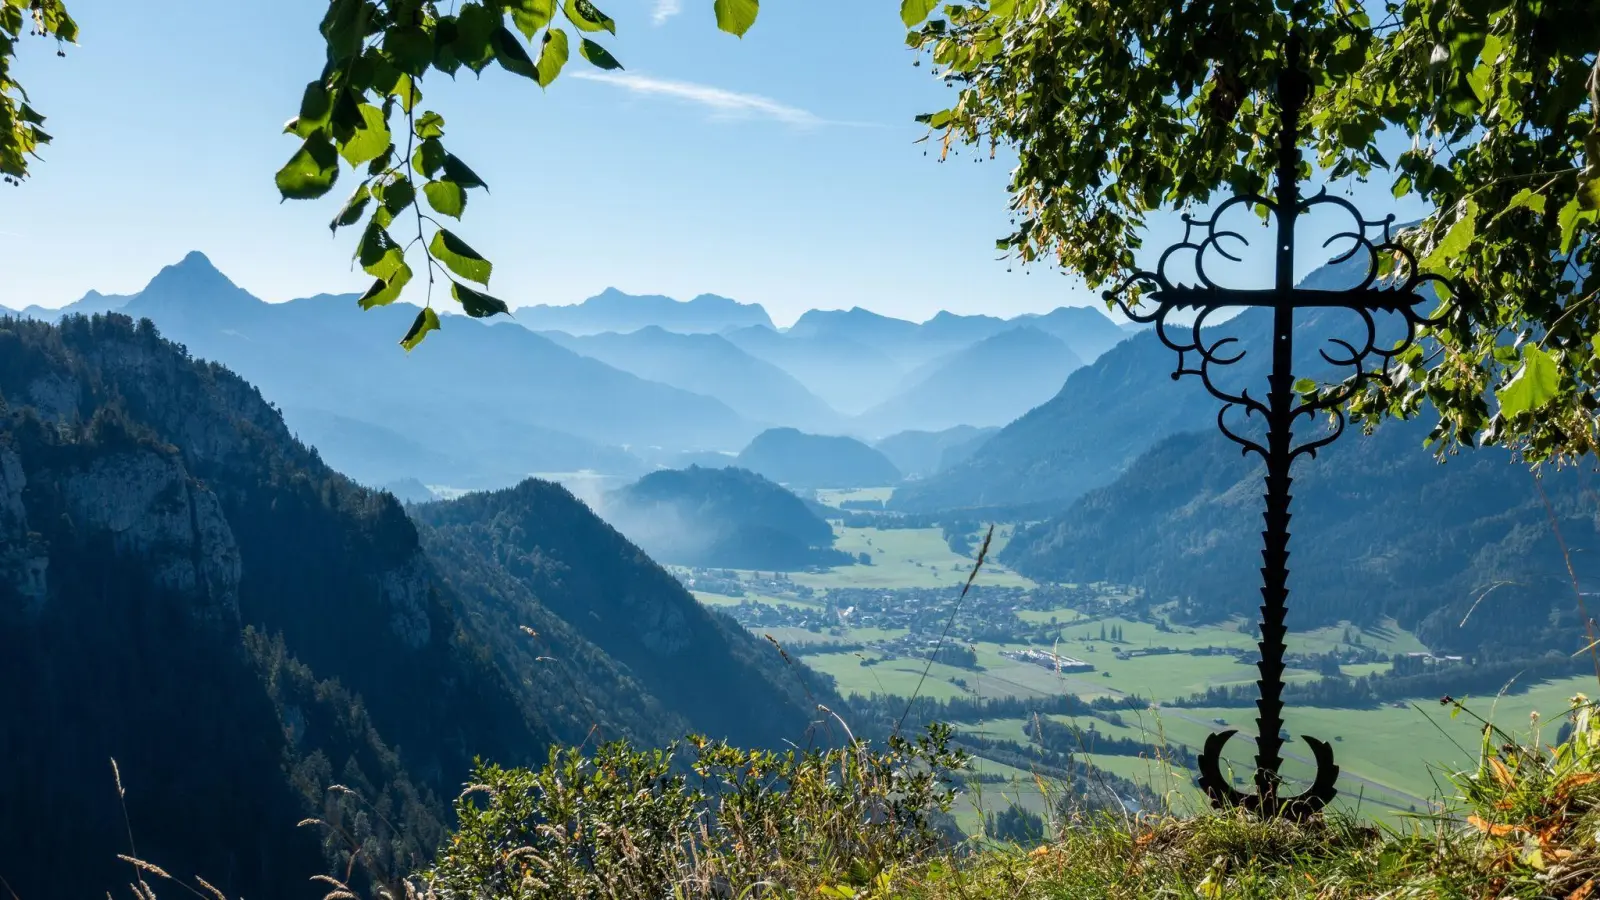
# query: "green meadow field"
{"type": "Point", "coordinates": [1393, 759]}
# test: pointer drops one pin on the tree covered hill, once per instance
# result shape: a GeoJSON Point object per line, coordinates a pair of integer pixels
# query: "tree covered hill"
{"type": "Point", "coordinates": [186, 588]}
{"type": "Point", "coordinates": [1460, 552]}
{"type": "Point", "coordinates": [722, 518]}
{"type": "Point", "coordinates": [792, 457]}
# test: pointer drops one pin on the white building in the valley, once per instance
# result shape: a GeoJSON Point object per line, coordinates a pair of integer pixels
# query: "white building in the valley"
{"type": "Point", "coordinates": [1053, 661]}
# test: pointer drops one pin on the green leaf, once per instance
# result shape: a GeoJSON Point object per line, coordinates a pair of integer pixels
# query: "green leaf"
{"type": "Point", "coordinates": [377, 252]}
{"type": "Point", "coordinates": [369, 140]}
{"type": "Point", "coordinates": [409, 48]}
{"type": "Point", "coordinates": [509, 53]}
{"type": "Point", "coordinates": [431, 125]}
{"type": "Point", "coordinates": [912, 12]}
{"type": "Point", "coordinates": [736, 16]}
{"type": "Point", "coordinates": [1570, 217]}
{"type": "Point", "coordinates": [478, 305]}
{"type": "Point", "coordinates": [474, 42]}
{"type": "Point", "coordinates": [552, 56]}
{"type": "Point", "coordinates": [598, 55]}
{"type": "Point", "coordinates": [457, 171]}
{"type": "Point", "coordinates": [531, 15]}
{"type": "Point", "coordinates": [351, 212]}
{"type": "Point", "coordinates": [1534, 385]}
{"type": "Point", "coordinates": [445, 33]}
{"type": "Point", "coordinates": [460, 258]}
{"type": "Point", "coordinates": [427, 320]}
{"type": "Point", "coordinates": [381, 164]}
{"type": "Point", "coordinates": [1305, 386]}
{"type": "Point", "coordinates": [398, 194]}
{"type": "Point", "coordinates": [312, 170]}
{"type": "Point", "coordinates": [405, 88]}
{"type": "Point", "coordinates": [1526, 199]}
{"type": "Point", "coordinates": [1589, 193]}
{"type": "Point", "coordinates": [429, 157]}
{"type": "Point", "coordinates": [341, 26]}
{"type": "Point", "coordinates": [316, 104]}
{"type": "Point", "coordinates": [583, 14]}
{"type": "Point", "coordinates": [1460, 235]}
{"type": "Point", "coordinates": [386, 291]}
{"type": "Point", "coordinates": [446, 197]}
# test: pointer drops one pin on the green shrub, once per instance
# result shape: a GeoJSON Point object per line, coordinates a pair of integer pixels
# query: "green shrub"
{"type": "Point", "coordinates": [706, 820]}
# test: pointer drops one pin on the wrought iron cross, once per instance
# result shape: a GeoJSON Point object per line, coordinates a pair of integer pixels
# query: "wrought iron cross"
{"type": "Point", "coordinates": [1198, 354]}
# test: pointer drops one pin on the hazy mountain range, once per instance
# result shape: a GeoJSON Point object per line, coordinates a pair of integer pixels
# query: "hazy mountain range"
{"type": "Point", "coordinates": [612, 310]}
{"type": "Point", "coordinates": [712, 365]}
{"type": "Point", "coordinates": [918, 454]}
{"type": "Point", "coordinates": [616, 384]}
{"type": "Point", "coordinates": [984, 384]}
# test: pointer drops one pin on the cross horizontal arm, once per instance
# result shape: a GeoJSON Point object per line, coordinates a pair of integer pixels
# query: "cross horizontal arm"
{"type": "Point", "coordinates": [1370, 299]}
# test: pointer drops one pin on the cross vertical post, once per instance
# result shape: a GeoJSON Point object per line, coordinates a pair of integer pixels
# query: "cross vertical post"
{"type": "Point", "coordinates": [1200, 354]}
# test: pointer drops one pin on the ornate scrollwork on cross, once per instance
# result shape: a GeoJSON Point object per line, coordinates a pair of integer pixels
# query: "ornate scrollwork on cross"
{"type": "Point", "coordinates": [1367, 358]}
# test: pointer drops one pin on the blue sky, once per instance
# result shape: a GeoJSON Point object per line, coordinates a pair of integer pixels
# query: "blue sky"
{"type": "Point", "coordinates": [782, 168]}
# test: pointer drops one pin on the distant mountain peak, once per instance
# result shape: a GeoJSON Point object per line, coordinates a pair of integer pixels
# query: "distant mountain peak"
{"type": "Point", "coordinates": [193, 282]}
{"type": "Point", "coordinates": [717, 300]}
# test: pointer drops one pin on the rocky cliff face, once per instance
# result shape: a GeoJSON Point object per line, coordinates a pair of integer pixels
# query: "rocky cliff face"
{"type": "Point", "coordinates": [24, 564]}
{"type": "Point", "coordinates": [155, 512]}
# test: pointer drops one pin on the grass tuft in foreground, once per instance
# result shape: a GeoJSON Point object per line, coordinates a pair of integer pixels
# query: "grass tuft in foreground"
{"type": "Point", "coordinates": [1525, 823]}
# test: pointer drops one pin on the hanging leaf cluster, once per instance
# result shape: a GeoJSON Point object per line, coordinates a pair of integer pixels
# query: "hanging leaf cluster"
{"type": "Point", "coordinates": [1116, 110]}
{"type": "Point", "coordinates": [364, 113]}
{"type": "Point", "coordinates": [21, 126]}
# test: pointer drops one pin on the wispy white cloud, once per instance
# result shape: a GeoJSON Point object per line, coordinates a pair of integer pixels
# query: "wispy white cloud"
{"type": "Point", "coordinates": [724, 103]}
{"type": "Point", "coordinates": [665, 9]}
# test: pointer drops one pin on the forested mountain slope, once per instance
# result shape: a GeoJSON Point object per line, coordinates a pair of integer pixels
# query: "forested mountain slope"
{"type": "Point", "coordinates": [186, 588]}
{"type": "Point", "coordinates": [1380, 529]}
{"type": "Point", "coordinates": [699, 667]}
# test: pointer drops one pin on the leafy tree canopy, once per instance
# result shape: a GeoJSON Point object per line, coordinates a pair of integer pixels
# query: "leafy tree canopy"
{"type": "Point", "coordinates": [364, 114]}
{"type": "Point", "coordinates": [1117, 109]}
